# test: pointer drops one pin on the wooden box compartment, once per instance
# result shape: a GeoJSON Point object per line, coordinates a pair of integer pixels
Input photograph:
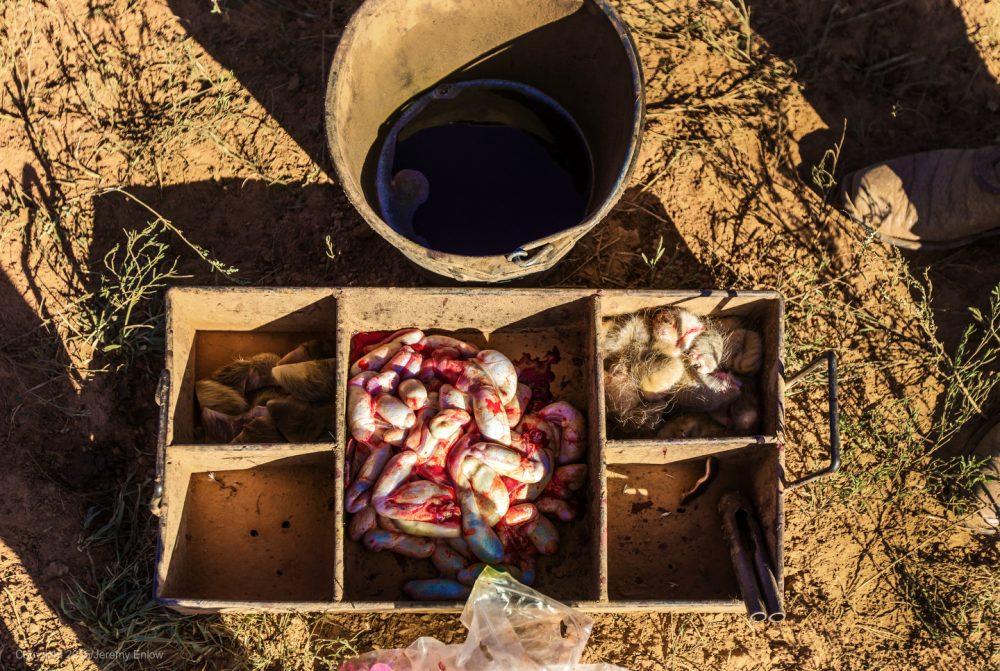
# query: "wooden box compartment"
{"type": "Point", "coordinates": [210, 561]}
{"type": "Point", "coordinates": [648, 518]}
{"type": "Point", "coordinates": [254, 525]}
{"type": "Point", "coordinates": [207, 328]}
{"type": "Point", "coordinates": [762, 310]}
{"type": "Point", "coordinates": [553, 324]}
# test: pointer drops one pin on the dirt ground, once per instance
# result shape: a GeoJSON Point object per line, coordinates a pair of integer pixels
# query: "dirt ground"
{"type": "Point", "coordinates": [196, 128]}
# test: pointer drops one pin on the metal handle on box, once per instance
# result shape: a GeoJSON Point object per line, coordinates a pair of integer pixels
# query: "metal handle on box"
{"type": "Point", "coordinates": [833, 415]}
{"type": "Point", "coordinates": [162, 400]}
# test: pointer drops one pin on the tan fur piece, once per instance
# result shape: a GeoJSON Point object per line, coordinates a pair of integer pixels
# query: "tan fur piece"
{"type": "Point", "coordinates": [626, 347]}
{"type": "Point", "coordinates": [664, 357]}
{"type": "Point", "coordinates": [665, 331]}
{"type": "Point", "coordinates": [627, 407]}
{"type": "Point", "coordinates": [219, 397]}
{"type": "Point", "coordinates": [247, 374]}
{"type": "Point", "coordinates": [313, 381]}
{"type": "Point", "coordinates": [625, 334]}
{"type": "Point", "coordinates": [674, 330]}
{"type": "Point", "coordinates": [660, 376]}
{"type": "Point", "coordinates": [621, 393]}
{"type": "Point", "coordinates": [745, 352]}
{"type": "Point", "coordinates": [298, 421]}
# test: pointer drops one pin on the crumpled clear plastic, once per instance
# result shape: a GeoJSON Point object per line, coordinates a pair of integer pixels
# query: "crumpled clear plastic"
{"type": "Point", "coordinates": [511, 628]}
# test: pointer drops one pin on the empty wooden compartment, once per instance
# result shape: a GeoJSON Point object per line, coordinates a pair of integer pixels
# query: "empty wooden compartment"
{"type": "Point", "coordinates": [249, 525]}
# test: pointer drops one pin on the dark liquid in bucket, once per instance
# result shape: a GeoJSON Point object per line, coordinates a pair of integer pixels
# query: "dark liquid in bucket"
{"type": "Point", "coordinates": [494, 186]}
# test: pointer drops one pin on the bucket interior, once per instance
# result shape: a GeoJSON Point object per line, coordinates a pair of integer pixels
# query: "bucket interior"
{"type": "Point", "coordinates": [397, 51]}
{"type": "Point", "coordinates": [483, 167]}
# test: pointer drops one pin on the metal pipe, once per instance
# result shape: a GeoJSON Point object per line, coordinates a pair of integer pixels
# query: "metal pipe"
{"type": "Point", "coordinates": [762, 566]}
{"type": "Point", "coordinates": [746, 577]}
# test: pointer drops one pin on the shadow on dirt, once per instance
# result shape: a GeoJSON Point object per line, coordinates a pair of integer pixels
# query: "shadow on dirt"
{"type": "Point", "coordinates": [68, 434]}
{"type": "Point", "coordinates": [904, 77]}
{"type": "Point", "coordinates": [610, 255]}
{"type": "Point", "coordinates": [280, 52]}
{"type": "Point", "coordinates": [41, 504]}
{"type": "Point", "coordinates": [275, 235]}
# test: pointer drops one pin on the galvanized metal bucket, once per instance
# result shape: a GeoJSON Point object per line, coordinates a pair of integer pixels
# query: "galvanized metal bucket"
{"type": "Point", "coordinates": [394, 53]}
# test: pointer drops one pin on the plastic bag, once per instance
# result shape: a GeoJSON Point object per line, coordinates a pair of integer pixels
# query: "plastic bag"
{"type": "Point", "coordinates": [511, 628]}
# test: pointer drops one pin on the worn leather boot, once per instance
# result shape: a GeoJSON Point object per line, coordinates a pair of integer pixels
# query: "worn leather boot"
{"type": "Point", "coordinates": [933, 200]}
{"type": "Point", "coordinates": [986, 444]}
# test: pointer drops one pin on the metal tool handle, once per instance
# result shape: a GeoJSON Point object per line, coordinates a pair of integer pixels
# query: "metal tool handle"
{"type": "Point", "coordinates": [162, 400]}
{"type": "Point", "coordinates": [833, 416]}
{"type": "Point", "coordinates": [527, 258]}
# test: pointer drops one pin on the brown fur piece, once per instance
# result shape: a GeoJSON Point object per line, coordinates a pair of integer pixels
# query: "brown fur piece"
{"type": "Point", "coordinates": [247, 374]}
{"type": "Point", "coordinates": [220, 428]}
{"type": "Point", "coordinates": [310, 351]}
{"type": "Point", "coordinates": [219, 397]}
{"type": "Point", "coordinates": [260, 428]}
{"type": "Point", "coordinates": [265, 394]}
{"type": "Point", "coordinates": [743, 416]}
{"type": "Point", "coordinates": [298, 421]}
{"type": "Point", "coordinates": [313, 381]}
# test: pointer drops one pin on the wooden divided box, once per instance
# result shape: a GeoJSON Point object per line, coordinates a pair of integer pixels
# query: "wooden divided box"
{"type": "Point", "coordinates": [262, 527]}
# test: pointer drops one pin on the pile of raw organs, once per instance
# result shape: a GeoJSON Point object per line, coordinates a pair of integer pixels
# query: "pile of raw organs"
{"type": "Point", "coordinates": [451, 459]}
{"type": "Point", "coordinates": [683, 376]}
